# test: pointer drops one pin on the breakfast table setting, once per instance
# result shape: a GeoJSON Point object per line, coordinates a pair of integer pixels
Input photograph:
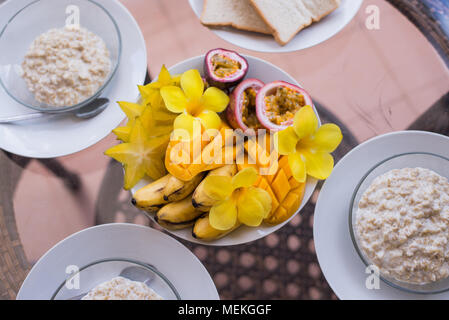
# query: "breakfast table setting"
{"type": "Point", "coordinates": [96, 186]}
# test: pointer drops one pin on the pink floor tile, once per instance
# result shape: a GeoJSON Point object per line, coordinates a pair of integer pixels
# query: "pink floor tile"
{"type": "Point", "coordinates": [402, 49]}
{"type": "Point", "coordinates": [56, 212]}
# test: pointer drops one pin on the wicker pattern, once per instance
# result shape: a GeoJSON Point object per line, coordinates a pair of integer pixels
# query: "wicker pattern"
{"type": "Point", "coordinates": [13, 263]}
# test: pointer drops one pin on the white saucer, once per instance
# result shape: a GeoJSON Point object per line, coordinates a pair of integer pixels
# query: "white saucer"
{"type": "Point", "coordinates": [309, 37]}
{"type": "Point", "coordinates": [59, 136]}
{"type": "Point", "coordinates": [120, 240]}
{"type": "Point", "coordinates": [341, 265]}
{"type": "Point", "coordinates": [267, 73]}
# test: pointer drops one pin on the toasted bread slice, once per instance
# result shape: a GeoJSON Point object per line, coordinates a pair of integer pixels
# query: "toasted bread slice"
{"type": "Point", "coordinates": [287, 17]}
{"type": "Point", "coordinates": [239, 14]}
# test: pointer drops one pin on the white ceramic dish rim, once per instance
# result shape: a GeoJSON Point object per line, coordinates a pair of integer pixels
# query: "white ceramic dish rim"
{"type": "Point", "coordinates": [269, 229]}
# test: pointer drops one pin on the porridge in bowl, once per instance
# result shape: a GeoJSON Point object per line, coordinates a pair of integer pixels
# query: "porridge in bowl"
{"type": "Point", "coordinates": [120, 288]}
{"type": "Point", "coordinates": [64, 67]}
{"type": "Point", "coordinates": [402, 224]}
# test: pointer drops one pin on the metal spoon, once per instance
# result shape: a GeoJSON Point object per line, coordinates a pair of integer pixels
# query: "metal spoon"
{"type": "Point", "coordinates": [132, 273]}
{"type": "Point", "coordinates": [138, 274]}
{"type": "Point", "coordinates": [88, 111]}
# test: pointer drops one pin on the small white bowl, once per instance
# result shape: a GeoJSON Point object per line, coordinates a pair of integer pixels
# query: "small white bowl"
{"type": "Point", "coordinates": [266, 72]}
{"type": "Point", "coordinates": [28, 23]}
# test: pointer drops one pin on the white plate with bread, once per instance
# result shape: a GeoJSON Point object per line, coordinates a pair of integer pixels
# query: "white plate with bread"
{"type": "Point", "coordinates": [275, 26]}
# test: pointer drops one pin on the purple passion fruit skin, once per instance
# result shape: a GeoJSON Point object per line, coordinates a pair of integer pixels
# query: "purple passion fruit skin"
{"type": "Point", "coordinates": [277, 104]}
{"type": "Point", "coordinates": [241, 112]}
{"type": "Point", "coordinates": [207, 85]}
{"type": "Point", "coordinates": [224, 69]}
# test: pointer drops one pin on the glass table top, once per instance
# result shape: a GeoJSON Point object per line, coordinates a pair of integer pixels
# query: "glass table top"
{"type": "Point", "coordinates": [370, 82]}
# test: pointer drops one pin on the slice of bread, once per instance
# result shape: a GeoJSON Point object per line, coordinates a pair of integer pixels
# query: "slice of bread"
{"type": "Point", "coordinates": [288, 17]}
{"type": "Point", "coordinates": [239, 14]}
{"type": "Point", "coordinates": [321, 8]}
{"type": "Point", "coordinates": [285, 17]}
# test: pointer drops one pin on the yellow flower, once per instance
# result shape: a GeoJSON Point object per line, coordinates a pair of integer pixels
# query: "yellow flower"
{"type": "Point", "coordinates": [141, 155]}
{"type": "Point", "coordinates": [237, 200]}
{"type": "Point", "coordinates": [193, 104]}
{"type": "Point", "coordinates": [307, 146]}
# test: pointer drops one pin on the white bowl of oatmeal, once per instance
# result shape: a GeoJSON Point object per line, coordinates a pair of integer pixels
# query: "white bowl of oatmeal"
{"type": "Point", "coordinates": [52, 61]}
{"type": "Point", "coordinates": [103, 280]}
{"type": "Point", "coordinates": [399, 222]}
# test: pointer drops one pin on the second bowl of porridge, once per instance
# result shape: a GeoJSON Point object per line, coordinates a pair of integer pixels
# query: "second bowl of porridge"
{"type": "Point", "coordinates": [399, 222]}
{"type": "Point", "coordinates": [116, 279]}
{"type": "Point", "coordinates": [59, 55]}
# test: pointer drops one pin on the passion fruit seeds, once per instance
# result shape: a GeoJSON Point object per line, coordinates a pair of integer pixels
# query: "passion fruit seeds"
{"type": "Point", "coordinates": [224, 69]}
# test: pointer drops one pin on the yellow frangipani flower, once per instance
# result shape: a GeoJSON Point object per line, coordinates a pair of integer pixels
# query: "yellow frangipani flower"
{"type": "Point", "coordinates": [193, 104]}
{"type": "Point", "coordinates": [237, 200]}
{"type": "Point", "coordinates": [307, 146]}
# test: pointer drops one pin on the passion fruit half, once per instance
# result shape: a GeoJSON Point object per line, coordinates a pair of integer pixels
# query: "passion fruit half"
{"type": "Point", "coordinates": [241, 113]}
{"type": "Point", "coordinates": [277, 103]}
{"type": "Point", "coordinates": [224, 69]}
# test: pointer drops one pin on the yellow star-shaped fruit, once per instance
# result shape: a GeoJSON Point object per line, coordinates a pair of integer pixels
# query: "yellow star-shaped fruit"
{"type": "Point", "coordinates": [141, 155]}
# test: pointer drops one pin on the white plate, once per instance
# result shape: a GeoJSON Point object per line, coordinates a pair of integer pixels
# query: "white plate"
{"type": "Point", "coordinates": [120, 240]}
{"type": "Point", "coordinates": [266, 72]}
{"type": "Point", "coordinates": [341, 265]}
{"type": "Point", "coordinates": [308, 37]}
{"type": "Point", "coordinates": [55, 137]}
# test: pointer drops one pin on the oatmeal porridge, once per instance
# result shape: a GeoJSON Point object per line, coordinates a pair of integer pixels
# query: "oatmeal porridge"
{"type": "Point", "coordinates": [66, 66]}
{"type": "Point", "coordinates": [120, 288]}
{"type": "Point", "coordinates": [402, 224]}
